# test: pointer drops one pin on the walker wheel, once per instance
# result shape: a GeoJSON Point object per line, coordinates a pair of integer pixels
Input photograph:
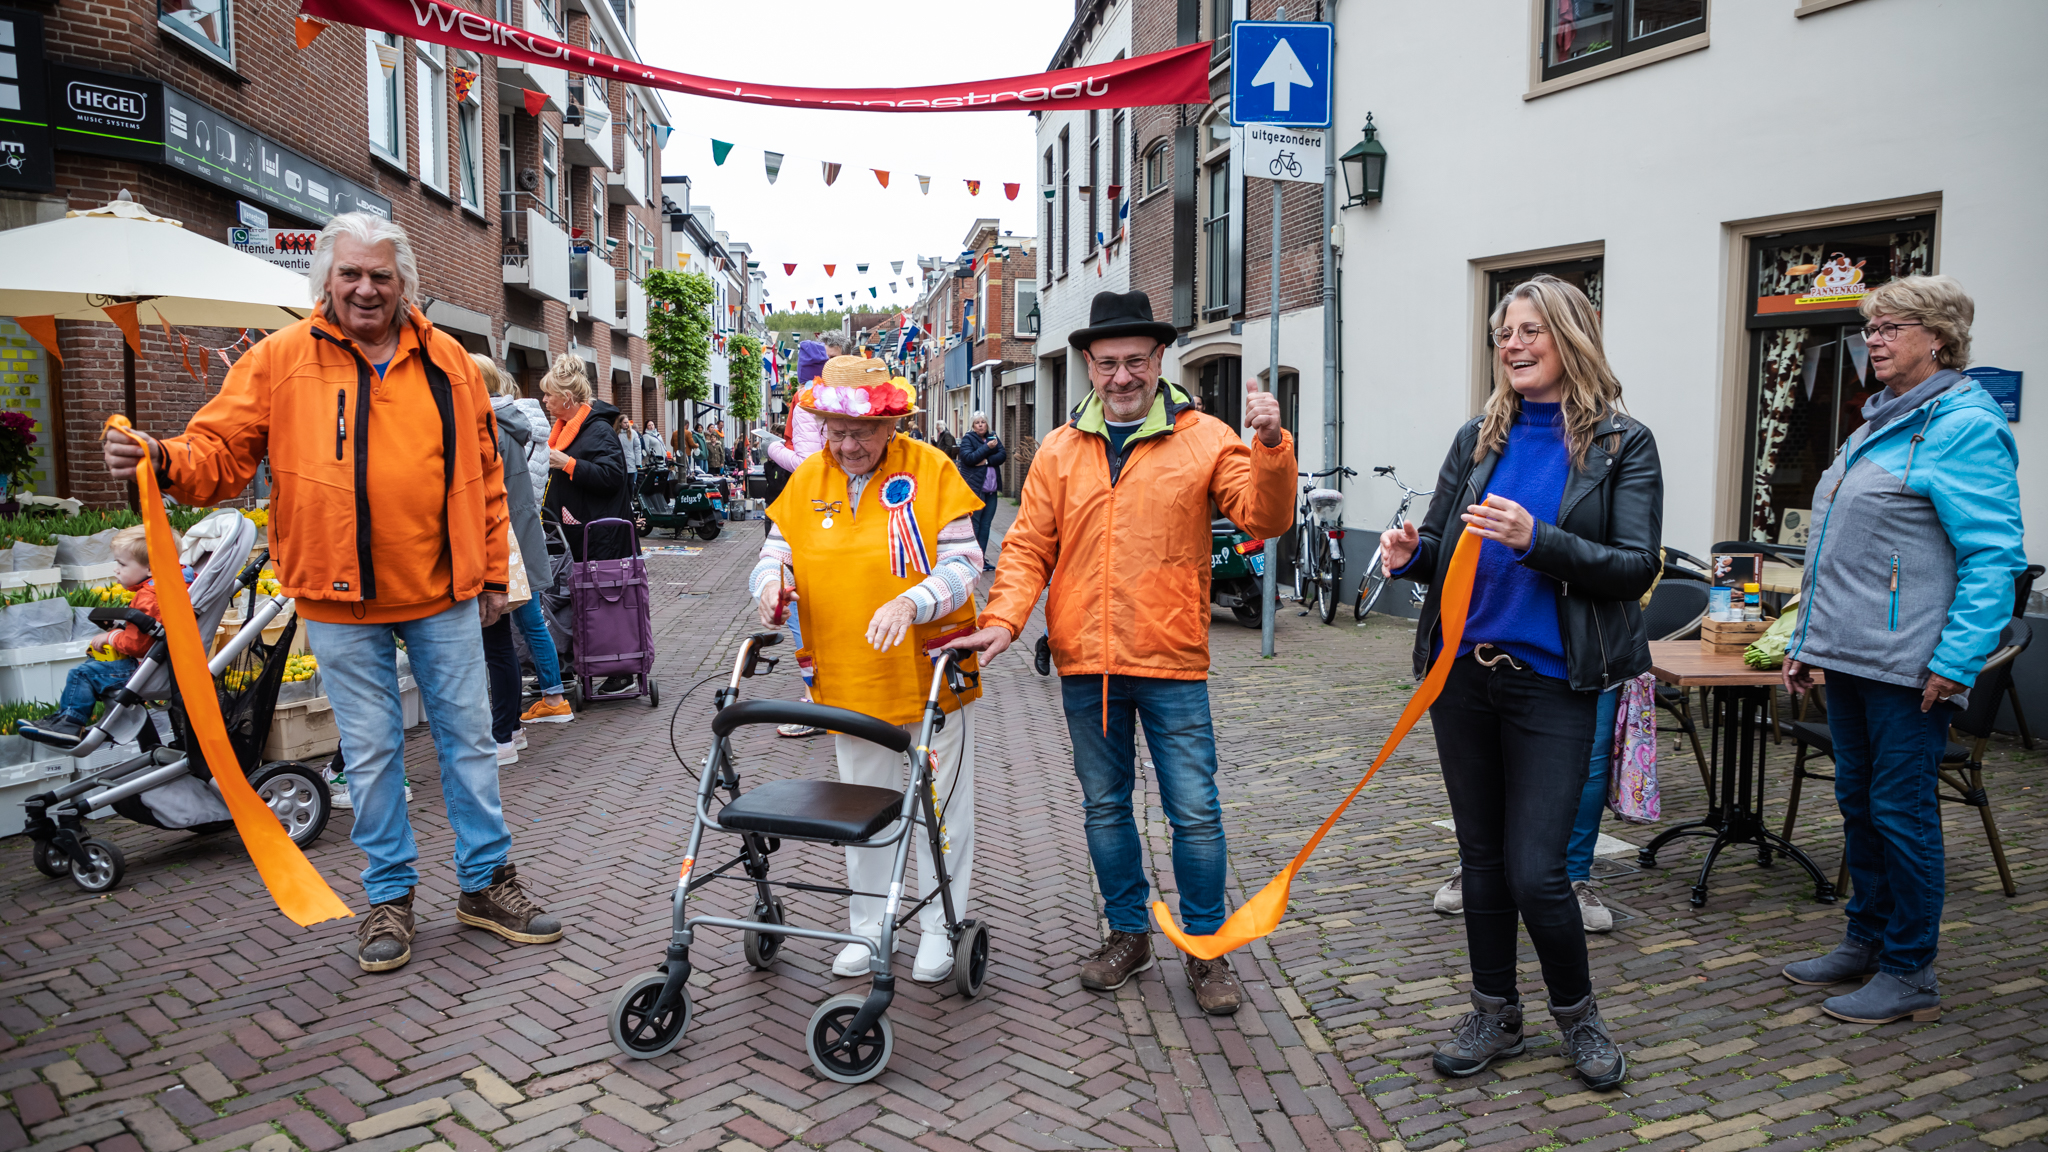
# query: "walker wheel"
{"type": "Point", "coordinates": [637, 1030]}
{"type": "Point", "coordinates": [653, 692]}
{"type": "Point", "coordinates": [970, 959]}
{"type": "Point", "coordinates": [50, 859]}
{"type": "Point", "coordinates": [859, 1062]}
{"type": "Point", "coordinates": [763, 947]}
{"type": "Point", "coordinates": [99, 867]}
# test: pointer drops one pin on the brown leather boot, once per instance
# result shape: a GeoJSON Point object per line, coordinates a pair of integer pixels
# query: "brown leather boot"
{"type": "Point", "coordinates": [506, 909]}
{"type": "Point", "coordinates": [384, 938]}
{"type": "Point", "coordinates": [1122, 956]}
{"type": "Point", "coordinates": [1216, 987]}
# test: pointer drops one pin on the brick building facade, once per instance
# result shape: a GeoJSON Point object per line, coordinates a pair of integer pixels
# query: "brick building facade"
{"type": "Point", "coordinates": [497, 201]}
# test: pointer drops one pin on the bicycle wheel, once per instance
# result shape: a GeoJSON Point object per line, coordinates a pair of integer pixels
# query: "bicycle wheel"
{"type": "Point", "coordinates": [1370, 586]}
{"type": "Point", "coordinates": [1304, 569]}
{"type": "Point", "coordinates": [1329, 571]}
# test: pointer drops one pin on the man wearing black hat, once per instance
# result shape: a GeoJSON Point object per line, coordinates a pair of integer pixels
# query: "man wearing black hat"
{"type": "Point", "coordinates": [1115, 516]}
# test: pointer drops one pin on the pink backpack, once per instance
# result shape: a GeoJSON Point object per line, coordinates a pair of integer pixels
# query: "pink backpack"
{"type": "Point", "coordinates": [1632, 773]}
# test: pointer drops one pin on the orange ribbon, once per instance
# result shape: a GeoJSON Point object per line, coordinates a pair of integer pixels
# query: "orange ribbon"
{"type": "Point", "coordinates": [1261, 914]}
{"type": "Point", "coordinates": [294, 883]}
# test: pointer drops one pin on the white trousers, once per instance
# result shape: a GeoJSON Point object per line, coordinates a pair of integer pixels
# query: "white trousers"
{"type": "Point", "coordinates": [867, 869]}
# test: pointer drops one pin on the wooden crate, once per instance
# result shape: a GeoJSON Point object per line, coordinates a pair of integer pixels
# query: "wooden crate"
{"type": "Point", "coordinates": [1731, 631]}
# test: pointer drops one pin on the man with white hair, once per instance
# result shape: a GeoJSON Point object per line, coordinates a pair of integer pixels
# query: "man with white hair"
{"type": "Point", "coordinates": [387, 524]}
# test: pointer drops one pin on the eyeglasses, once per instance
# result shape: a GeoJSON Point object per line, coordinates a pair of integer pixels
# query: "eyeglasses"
{"type": "Point", "coordinates": [1529, 333]}
{"type": "Point", "coordinates": [1887, 332]}
{"type": "Point", "coordinates": [865, 435]}
{"type": "Point", "coordinates": [1131, 364]}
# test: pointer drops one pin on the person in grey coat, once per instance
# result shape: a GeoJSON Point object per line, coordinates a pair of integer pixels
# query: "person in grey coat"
{"type": "Point", "coordinates": [518, 439]}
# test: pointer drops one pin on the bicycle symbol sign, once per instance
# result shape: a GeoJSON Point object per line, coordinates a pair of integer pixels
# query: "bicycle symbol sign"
{"type": "Point", "coordinates": [1282, 153]}
{"type": "Point", "coordinates": [1284, 161]}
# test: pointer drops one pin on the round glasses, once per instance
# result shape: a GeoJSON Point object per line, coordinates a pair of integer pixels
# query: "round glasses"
{"type": "Point", "coordinates": [1528, 333]}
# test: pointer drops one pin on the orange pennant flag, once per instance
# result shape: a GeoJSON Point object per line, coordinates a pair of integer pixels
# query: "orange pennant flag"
{"type": "Point", "coordinates": [1261, 914]}
{"type": "Point", "coordinates": [829, 268]}
{"type": "Point", "coordinates": [974, 187]}
{"type": "Point", "coordinates": [123, 317]}
{"type": "Point", "coordinates": [44, 329]}
{"type": "Point", "coordinates": [881, 175]}
{"type": "Point", "coordinates": [294, 883]}
{"type": "Point", "coordinates": [309, 30]}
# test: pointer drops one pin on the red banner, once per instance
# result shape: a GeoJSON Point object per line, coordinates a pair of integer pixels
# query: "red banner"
{"type": "Point", "coordinates": [1178, 76]}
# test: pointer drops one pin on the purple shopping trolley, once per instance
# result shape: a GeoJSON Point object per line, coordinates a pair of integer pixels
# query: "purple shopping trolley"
{"type": "Point", "coordinates": [613, 634]}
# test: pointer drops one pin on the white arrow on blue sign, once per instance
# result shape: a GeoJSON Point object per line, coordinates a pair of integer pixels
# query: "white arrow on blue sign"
{"type": "Point", "coordinates": [1280, 73]}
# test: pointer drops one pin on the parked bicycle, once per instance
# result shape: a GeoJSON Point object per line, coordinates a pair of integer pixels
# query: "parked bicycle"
{"type": "Point", "coordinates": [1375, 580]}
{"type": "Point", "coordinates": [1319, 544]}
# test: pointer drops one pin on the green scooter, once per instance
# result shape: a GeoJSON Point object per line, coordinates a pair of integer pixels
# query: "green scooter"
{"type": "Point", "coordinates": [699, 506]}
{"type": "Point", "coordinates": [1237, 569]}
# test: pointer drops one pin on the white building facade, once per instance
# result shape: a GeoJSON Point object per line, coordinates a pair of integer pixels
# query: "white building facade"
{"type": "Point", "coordinates": [1722, 179]}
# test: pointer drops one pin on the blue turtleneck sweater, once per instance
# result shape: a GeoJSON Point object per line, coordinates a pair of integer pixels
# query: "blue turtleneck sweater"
{"type": "Point", "coordinates": [1515, 607]}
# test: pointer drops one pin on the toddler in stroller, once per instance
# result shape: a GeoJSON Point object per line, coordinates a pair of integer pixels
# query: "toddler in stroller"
{"type": "Point", "coordinates": [84, 683]}
{"type": "Point", "coordinates": [167, 784]}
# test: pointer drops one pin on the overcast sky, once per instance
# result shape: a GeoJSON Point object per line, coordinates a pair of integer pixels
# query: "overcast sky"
{"type": "Point", "coordinates": [809, 42]}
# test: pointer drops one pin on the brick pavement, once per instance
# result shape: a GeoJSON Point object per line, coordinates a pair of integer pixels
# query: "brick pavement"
{"type": "Point", "coordinates": [181, 1013]}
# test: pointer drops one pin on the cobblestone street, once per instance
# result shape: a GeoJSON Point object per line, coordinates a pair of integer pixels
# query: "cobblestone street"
{"type": "Point", "coordinates": [183, 1012]}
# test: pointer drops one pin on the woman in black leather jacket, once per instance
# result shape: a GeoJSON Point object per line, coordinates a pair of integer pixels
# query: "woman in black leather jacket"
{"type": "Point", "coordinates": [1567, 495]}
{"type": "Point", "coordinates": [979, 455]}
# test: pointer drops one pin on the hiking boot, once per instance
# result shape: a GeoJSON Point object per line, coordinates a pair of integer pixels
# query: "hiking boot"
{"type": "Point", "coordinates": [543, 712]}
{"type": "Point", "coordinates": [1592, 913]}
{"type": "Point", "coordinates": [1887, 998]}
{"type": "Point", "coordinates": [1853, 959]}
{"type": "Point", "coordinates": [505, 908]}
{"type": "Point", "coordinates": [1122, 956]}
{"type": "Point", "coordinates": [1491, 1031]}
{"type": "Point", "coordinates": [1217, 989]}
{"type": "Point", "coordinates": [1450, 899]}
{"type": "Point", "coordinates": [384, 939]}
{"type": "Point", "coordinates": [1588, 1046]}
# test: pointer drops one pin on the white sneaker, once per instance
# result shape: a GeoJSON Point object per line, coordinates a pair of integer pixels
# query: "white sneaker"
{"type": "Point", "coordinates": [1597, 917]}
{"type": "Point", "coordinates": [934, 958]}
{"type": "Point", "coordinates": [508, 753]}
{"type": "Point", "coordinates": [1450, 899]}
{"type": "Point", "coordinates": [519, 737]}
{"type": "Point", "coordinates": [852, 961]}
{"type": "Point", "coordinates": [337, 795]}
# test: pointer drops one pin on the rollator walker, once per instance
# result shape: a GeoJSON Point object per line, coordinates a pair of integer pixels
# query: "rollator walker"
{"type": "Point", "coordinates": [849, 1039]}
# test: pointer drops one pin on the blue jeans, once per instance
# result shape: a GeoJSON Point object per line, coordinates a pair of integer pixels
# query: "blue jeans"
{"type": "Point", "coordinates": [1578, 853]}
{"type": "Point", "coordinates": [1886, 751]}
{"type": "Point", "coordinates": [1175, 714]}
{"type": "Point", "coordinates": [83, 685]}
{"type": "Point", "coordinates": [359, 669]}
{"type": "Point", "coordinates": [533, 627]}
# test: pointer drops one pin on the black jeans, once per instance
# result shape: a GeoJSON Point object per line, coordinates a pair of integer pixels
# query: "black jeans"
{"type": "Point", "coordinates": [1515, 747]}
{"type": "Point", "coordinates": [501, 663]}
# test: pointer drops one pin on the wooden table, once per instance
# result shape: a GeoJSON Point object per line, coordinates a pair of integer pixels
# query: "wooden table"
{"type": "Point", "coordinates": [1739, 697]}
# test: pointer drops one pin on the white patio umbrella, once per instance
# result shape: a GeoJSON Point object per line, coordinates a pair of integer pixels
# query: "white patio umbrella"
{"type": "Point", "coordinates": [92, 265]}
{"type": "Point", "coordinates": [73, 268]}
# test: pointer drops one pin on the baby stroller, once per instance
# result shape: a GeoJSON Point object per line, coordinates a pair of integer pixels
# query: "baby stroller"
{"type": "Point", "coordinates": [162, 785]}
{"type": "Point", "coordinates": [598, 614]}
{"type": "Point", "coordinates": [848, 1038]}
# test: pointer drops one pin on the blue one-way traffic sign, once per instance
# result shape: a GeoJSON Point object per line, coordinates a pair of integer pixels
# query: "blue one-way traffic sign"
{"type": "Point", "coordinates": [1280, 73]}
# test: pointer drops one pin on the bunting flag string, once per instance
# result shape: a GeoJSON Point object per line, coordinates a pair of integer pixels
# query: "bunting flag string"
{"type": "Point", "coordinates": [719, 151]}
{"type": "Point", "coordinates": [461, 80]}
{"type": "Point", "coordinates": [831, 172]}
{"type": "Point", "coordinates": [924, 183]}
{"type": "Point", "coordinates": [974, 187]}
{"type": "Point", "coordinates": [789, 269]}
{"type": "Point", "coordinates": [535, 101]}
{"type": "Point", "coordinates": [1010, 190]}
{"type": "Point", "coordinates": [896, 267]}
{"type": "Point", "coordinates": [861, 268]}
{"type": "Point", "coordinates": [881, 176]}
{"type": "Point", "coordinates": [773, 162]}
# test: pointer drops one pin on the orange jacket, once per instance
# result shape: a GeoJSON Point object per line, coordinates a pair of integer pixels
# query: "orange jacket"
{"type": "Point", "coordinates": [1129, 562]}
{"type": "Point", "coordinates": [388, 498]}
{"type": "Point", "coordinates": [131, 642]}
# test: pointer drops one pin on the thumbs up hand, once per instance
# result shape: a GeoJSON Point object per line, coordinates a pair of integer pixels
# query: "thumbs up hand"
{"type": "Point", "coordinates": [1262, 415]}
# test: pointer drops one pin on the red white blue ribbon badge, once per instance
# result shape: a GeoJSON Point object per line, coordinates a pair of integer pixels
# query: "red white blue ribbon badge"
{"type": "Point", "coordinates": [906, 544]}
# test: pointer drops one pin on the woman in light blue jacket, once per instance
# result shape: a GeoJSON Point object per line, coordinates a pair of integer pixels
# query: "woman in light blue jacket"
{"type": "Point", "coordinates": [1908, 584]}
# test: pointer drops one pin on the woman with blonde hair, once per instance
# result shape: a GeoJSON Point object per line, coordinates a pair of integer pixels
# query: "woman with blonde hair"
{"type": "Point", "coordinates": [1567, 496]}
{"type": "Point", "coordinates": [586, 465]}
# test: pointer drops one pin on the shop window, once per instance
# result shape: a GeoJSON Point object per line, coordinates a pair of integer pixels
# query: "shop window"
{"type": "Point", "coordinates": [207, 25]}
{"type": "Point", "coordinates": [1809, 372]}
{"type": "Point", "coordinates": [1587, 275]}
{"type": "Point", "coordinates": [1220, 388]}
{"type": "Point", "coordinates": [387, 97]}
{"type": "Point", "coordinates": [1579, 34]}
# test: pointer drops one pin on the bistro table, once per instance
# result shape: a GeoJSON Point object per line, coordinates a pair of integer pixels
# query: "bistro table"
{"type": "Point", "coordinates": [1740, 697]}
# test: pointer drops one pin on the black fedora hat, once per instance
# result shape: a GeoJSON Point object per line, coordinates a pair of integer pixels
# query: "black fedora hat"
{"type": "Point", "coordinates": [1116, 314]}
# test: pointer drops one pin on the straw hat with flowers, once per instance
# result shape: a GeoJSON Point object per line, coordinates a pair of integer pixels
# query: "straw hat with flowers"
{"type": "Point", "coordinates": [857, 388]}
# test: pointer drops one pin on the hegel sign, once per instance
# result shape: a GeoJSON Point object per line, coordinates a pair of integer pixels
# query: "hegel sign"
{"type": "Point", "coordinates": [106, 113]}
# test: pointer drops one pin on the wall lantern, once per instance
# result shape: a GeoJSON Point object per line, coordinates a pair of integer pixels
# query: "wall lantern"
{"type": "Point", "coordinates": [1365, 168]}
{"type": "Point", "coordinates": [1031, 319]}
